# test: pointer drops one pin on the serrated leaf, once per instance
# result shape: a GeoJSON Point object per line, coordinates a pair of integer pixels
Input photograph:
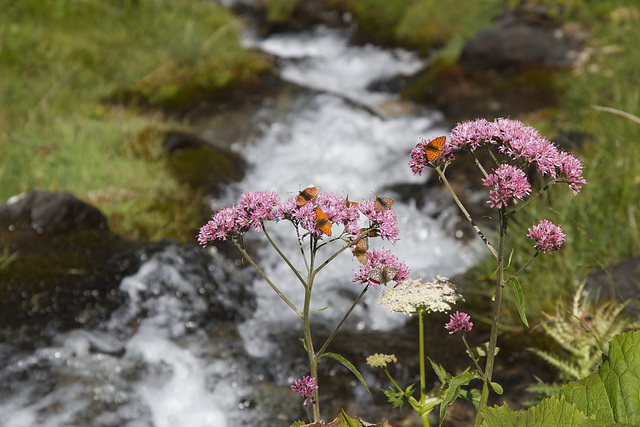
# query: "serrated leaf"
{"type": "Point", "coordinates": [442, 374]}
{"type": "Point", "coordinates": [515, 284]}
{"type": "Point", "coordinates": [349, 366]}
{"type": "Point", "coordinates": [551, 412]}
{"type": "Point", "coordinates": [344, 420]}
{"type": "Point", "coordinates": [454, 391]}
{"type": "Point", "coordinates": [612, 393]}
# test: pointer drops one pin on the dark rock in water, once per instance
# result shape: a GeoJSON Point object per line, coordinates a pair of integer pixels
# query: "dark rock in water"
{"type": "Point", "coordinates": [49, 213]}
{"type": "Point", "coordinates": [521, 39]}
{"type": "Point", "coordinates": [201, 165]}
{"type": "Point", "coordinates": [68, 274]}
{"type": "Point", "coordinates": [619, 282]}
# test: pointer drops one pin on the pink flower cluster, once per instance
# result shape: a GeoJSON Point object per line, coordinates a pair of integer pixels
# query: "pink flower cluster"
{"type": "Point", "coordinates": [305, 387]}
{"type": "Point", "coordinates": [252, 209]}
{"type": "Point", "coordinates": [515, 140]}
{"type": "Point", "coordinates": [508, 184]}
{"type": "Point", "coordinates": [380, 258]}
{"type": "Point", "coordinates": [547, 235]}
{"type": "Point", "coordinates": [459, 322]}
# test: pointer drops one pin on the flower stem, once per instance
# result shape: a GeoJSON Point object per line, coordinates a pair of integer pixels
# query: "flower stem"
{"type": "Point", "coordinates": [264, 276]}
{"type": "Point", "coordinates": [475, 362]}
{"type": "Point", "coordinates": [423, 376]}
{"type": "Point", "coordinates": [465, 213]}
{"type": "Point", "coordinates": [335, 330]}
{"type": "Point", "coordinates": [491, 354]}
{"type": "Point", "coordinates": [295, 271]}
{"type": "Point", "coordinates": [306, 325]}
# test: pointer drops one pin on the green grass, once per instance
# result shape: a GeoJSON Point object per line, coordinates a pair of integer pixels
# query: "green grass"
{"type": "Point", "coordinates": [67, 65]}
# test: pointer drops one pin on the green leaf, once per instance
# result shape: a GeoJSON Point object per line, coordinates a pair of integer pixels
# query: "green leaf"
{"type": "Point", "coordinates": [321, 309]}
{"type": "Point", "coordinates": [515, 284]}
{"type": "Point", "coordinates": [442, 374]}
{"type": "Point", "coordinates": [612, 393]}
{"type": "Point", "coordinates": [454, 391]}
{"type": "Point", "coordinates": [497, 388]}
{"type": "Point", "coordinates": [397, 398]}
{"type": "Point", "coordinates": [349, 366]}
{"type": "Point", "coordinates": [551, 412]}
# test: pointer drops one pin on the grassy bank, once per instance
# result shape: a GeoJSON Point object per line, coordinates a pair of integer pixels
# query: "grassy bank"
{"type": "Point", "coordinates": [67, 65]}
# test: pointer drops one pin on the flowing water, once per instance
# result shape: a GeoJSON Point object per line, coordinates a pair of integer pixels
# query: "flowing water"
{"type": "Point", "coordinates": [160, 360]}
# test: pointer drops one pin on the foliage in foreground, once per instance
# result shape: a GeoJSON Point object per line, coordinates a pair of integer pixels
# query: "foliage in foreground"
{"type": "Point", "coordinates": [605, 398]}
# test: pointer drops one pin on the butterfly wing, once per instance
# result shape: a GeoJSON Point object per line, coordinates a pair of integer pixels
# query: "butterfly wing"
{"type": "Point", "coordinates": [307, 195]}
{"type": "Point", "coordinates": [382, 203]}
{"type": "Point", "coordinates": [434, 148]}
{"type": "Point", "coordinates": [383, 275]}
{"type": "Point", "coordinates": [360, 251]}
{"type": "Point", "coordinates": [348, 203]}
{"type": "Point", "coordinates": [322, 222]}
{"type": "Point", "coordinates": [389, 273]}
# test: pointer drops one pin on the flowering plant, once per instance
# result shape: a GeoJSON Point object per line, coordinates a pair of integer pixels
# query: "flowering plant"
{"type": "Point", "coordinates": [516, 151]}
{"type": "Point", "coordinates": [314, 216]}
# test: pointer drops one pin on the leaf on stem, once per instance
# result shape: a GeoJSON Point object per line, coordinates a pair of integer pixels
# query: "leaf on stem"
{"type": "Point", "coordinates": [515, 284]}
{"type": "Point", "coordinates": [349, 366]}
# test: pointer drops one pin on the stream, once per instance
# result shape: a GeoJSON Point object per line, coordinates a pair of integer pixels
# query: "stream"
{"type": "Point", "coordinates": [160, 360]}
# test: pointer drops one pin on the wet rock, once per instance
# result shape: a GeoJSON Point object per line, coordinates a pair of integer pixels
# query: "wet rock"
{"type": "Point", "coordinates": [201, 165]}
{"type": "Point", "coordinates": [521, 39]}
{"type": "Point", "coordinates": [45, 212]}
{"type": "Point", "coordinates": [620, 282]}
{"type": "Point", "coordinates": [68, 273]}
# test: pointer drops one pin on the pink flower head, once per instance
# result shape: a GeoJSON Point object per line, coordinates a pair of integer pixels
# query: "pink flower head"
{"type": "Point", "coordinates": [459, 322]}
{"type": "Point", "coordinates": [334, 206]}
{"type": "Point", "coordinates": [509, 184]}
{"type": "Point", "coordinates": [252, 209]}
{"type": "Point", "coordinates": [384, 221]}
{"type": "Point", "coordinates": [305, 387]}
{"type": "Point", "coordinates": [569, 168]}
{"type": "Point", "coordinates": [383, 262]}
{"type": "Point", "coordinates": [548, 236]}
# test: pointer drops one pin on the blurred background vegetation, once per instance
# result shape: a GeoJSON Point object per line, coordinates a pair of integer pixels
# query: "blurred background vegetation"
{"type": "Point", "coordinates": [89, 88]}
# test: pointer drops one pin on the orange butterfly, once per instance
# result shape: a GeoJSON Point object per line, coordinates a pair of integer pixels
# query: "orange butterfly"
{"type": "Point", "coordinates": [348, 204]}
{"type": "Point", "coordinates": [383, 274]}
{"type": "Point", "coordinates": [382, 203]}
{"type": "Point", "coordinates": [361, 249]}
{"type": "Point", "coordinates": [434, 148]}
{"type": "Point", "coordinates": [307, 195]}
{"type": "Point", "coordinates": [322, 222]}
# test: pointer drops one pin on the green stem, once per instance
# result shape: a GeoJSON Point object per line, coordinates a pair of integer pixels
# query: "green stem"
{"type": "Point", "coordinates": [531, 199]}
{"type": "Point", "coordinates": [488, 370]}
{"type": "Point", "coordinates": [264, 276]}
{"type": "Point", "coordinates": [313, 360]}
{"type": "Point", "coordinates": [475, 362]}
{"type": "Point", "coordinates": [465, 213]}
{"type": "Point", "coordinates": [423, 376]}
{"type": "Point", "coordinates": [295, 271]}
{"type": "Point", "coordinates": [335, 330]}
{"type": "Point", "coordinates": [392, 380]}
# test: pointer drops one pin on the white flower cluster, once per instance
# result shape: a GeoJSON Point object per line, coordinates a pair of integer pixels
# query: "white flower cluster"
{"type": "Point", "coordinates": [414, 296]}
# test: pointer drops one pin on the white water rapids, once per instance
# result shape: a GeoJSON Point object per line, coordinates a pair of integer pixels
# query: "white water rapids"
{"type": "Point", "coordinates": [165, 371]}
